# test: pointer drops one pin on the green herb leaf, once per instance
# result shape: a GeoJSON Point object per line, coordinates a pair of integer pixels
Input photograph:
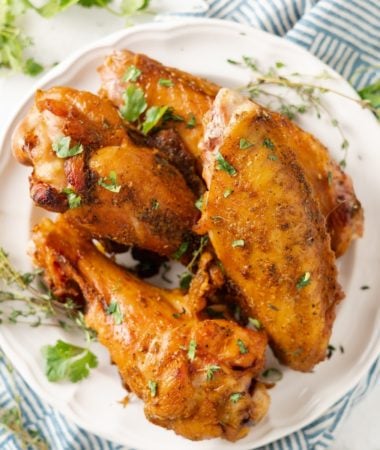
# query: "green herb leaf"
{"type": "Point", "coordinates": [192, 122]}
{"type": "Point", "coordinates": [268, 143]}
{"type": "Point", "coordinates": [210, 371]}
{"type": "Point", "coordinates": [279, 64]}
{"type": "Point", "coordinates": [330, 351]}
{"type": "Point", "coordinates": [303, 280]}
{"type": "Point", "coordinates": [153, 117]}
{"type": "Point", "coordinates": [273, 157]}
{"type": "Point", "coordinates": [73, 198]}
{"type": "Point", "coordinates": [32, 67]}
{"type": "Point", "coordinates": [371, 93]}
{"type": "Point", "coordinates": [62, 147]}
{"type": "Point", "coordinates": [182, 249]}
{"type": "Point", "coordinates": [165, 83]}
{"type": "Point", "coordinates": [235, 397]}
{"type": "Point", "coordinates": [65, 361]}
{"type": "Point", "coordinates": [232, 61]}
{"type": "Point", "coordinates": [185, 280]}
{"type": "Point", "coordinates": [222, 164]}
{"type": "Point", "coordinates": [152, 385]}
{"type": "Point", "coordinates": [53, 7]}
{"type": "Point", "coordinates": [329, 178]}
{"type": "Point", "coordinates": [238, 243]}
{"type": "Point", "coordinates": [199, 203]}
{"type": "Point", "coordinates": [255, 323]}
{"type": "Point", "coordinates": [113, 309]}
{"type": "Point", "coordinates": [132, 74]}
{"type": "Point", "coordinates": [110, 182]}
{"type": "Point", "coordinates": [134, 103]}
{"type": "Point", "coordinates": [155, 204]}
{"type": "Point", "coordinates": [244, 144]}
{"type": "Point", "coordinates": [242, 347]}
{"type": "Point", "coordinates": [178, 315]}
{"type": "Point", "coordinates": [272, 375]}
{"type": "Point", "coordinates": [227, 192]}
{"type": "Point", "coordinates": [191, 352]}
{"type": "Point", "coordinates": [129, 7]}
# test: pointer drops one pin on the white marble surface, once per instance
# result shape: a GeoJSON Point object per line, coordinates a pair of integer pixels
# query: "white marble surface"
{"type": "Point", "coordinates": [57, 38]}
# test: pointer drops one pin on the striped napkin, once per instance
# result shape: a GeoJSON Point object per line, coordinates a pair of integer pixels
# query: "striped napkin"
{"type": "Point", "coordinates": [345, 35]}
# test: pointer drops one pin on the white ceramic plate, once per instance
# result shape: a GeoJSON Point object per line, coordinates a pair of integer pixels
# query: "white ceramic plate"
{"type": "Point", "coordinates": [202, 47]}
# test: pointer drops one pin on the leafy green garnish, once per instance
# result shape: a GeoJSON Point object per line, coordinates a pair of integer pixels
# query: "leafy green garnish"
{"type": "Point", "coordinates": [268, 144]}
{"type": "Point", "coordinates": [134, 103]}
{"type": "Point", "coordinates": [238, 243]}
{"type": "Point", "coordinates": [242, 347]}
{"type": "Point", "coordinates": [303, 280]}
{"type": "Point", "coordinates": [185, 280]}
{"type": "Point", "coordinates": [235, 397]}
{"type": "Point", "coordinates": [199, 203]}
{"type": "Point", "coordinates": [155, 203]}
{"type": "Point", "coordinates": [32, 67]}
{"type": "Point", "coordinates": [210, 370]}
{"type": "Point", "coordinates": [152, 385]}
{"type": "Point", "coordinates": [182, 249]}
{"type": "Point", "coordinates": [110, 182]}
{"type": "Point", "coordinates": [132, 74]}
{"type": "Point", "coordinates": [222, 164]}
{"type": "Point", "coordinates": [244, 144]}
{"type": "Point", "coordinates": [73, 198]}
{"type": "Point", "coordinates": [192, 350]}
{"type": "Point", "coordinates": [153, 117]}
{"type": "Point", "coordinates": [62, 147]}
{"type": "Point", "coordinates": [64, 361]}
{"type": "Point", "coordinates": [272, 157]}
{"type": "Point", "coordinates": [255, 323]}
{"type": "Point", "coordinates": [371, 94]}
{"type": "Point", "coordinates": [192, 122]}
{"type": "Point", "coordinates": [227, 192]}
{"type": "Point", "coordinates": [165, 83]}
{"type": "Point", "coordinates": [113, 309]}
{"type": "Point", "coordinates": [272, 375]}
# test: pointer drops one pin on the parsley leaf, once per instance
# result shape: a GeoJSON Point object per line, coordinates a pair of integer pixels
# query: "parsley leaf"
{"type": "Point", "coordinates": [244, 144]}
{"type": "Point", "coordinates": [132, 74]}
{"type": "Point", "coordinates": [255, 323]}
{"type": "Point", "coordinates": [268, 144]}
{"type": "Point", "coordinates": [152, 385]}
{"type": "Point", "coordinates": [73, 198]}
{"type": "Point", "coordinates": [199, 203]}
{"type": "Point", "coordinates": [110, 182]}
{"type": "Point", "coordinates": [66, 361]}
{"type": "Point", "coordinates": [192, 122]}
{"type": "Point", "coordinates": [227, 192]}
{"type": "Point", "coordinates": [62, 147]}
{"type": "Point", "coordinates": [165, 83]}
{"type": "Point", "coordinates": [303, 280]}
{"type": "Point", "coordinates": [192, 350]}
{"type": "Point", "coordinates": [272, 375]}
{"type": "Point", "coordinates": [134, 103]}
{"type": "Point", "coordinates": [222, 164]}
{"type": "Point", "coordinates": [113, 309]}
{"type": "Point", "coordinates": [182, 249]}
{"type": "Point", "coordinates": [32, 67]}
{"type": "Point", "coordinates": [242, 347]}
{"type": "Point", "coordinates": [153, 117]}
{"type": "Point", "coordinates": [238, 243]}
{"type": "Point", "coordinates": [185, 280]}
{"type": "Point", "coordinates": [155, 204]}
{"type": "Point", "coordinates": [210, 371]}
{"type": "Point", "coordinates": [235, 397]}
{"type": "Point", "coordinates": [371, 93]}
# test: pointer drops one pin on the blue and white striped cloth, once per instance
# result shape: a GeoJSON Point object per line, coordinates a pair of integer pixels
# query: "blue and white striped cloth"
{"type": "Point", "coordinates": [346, 35]}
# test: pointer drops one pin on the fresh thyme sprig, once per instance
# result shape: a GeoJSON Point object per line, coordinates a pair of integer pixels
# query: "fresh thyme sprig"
{"type": "Point", "coordinates": [187, 276]}
{"type": "Point", "coordinates": [38, 301]}
{"type": "Point", "coordinates": [309, 95]}
{"type": "Point", "coordinates": [12, 418]}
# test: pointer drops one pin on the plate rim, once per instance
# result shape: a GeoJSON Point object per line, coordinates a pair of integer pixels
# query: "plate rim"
{"type": "Point", "coordinates": [60, 70]}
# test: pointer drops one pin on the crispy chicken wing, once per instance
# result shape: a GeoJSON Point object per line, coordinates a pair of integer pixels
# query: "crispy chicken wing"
{"type": "Point", "coordinates": [190, 373]}
{"type": "Point", "coordinates": [188, 93]}
{"type": "Point", "coordinates": [266, 228]}
{"type": "Point", "coordinates": [125, 191]}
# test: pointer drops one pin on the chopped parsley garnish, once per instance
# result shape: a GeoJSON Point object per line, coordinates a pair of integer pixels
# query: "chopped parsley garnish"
{"type": "Point", "coordinates": [64, 361]}
{"type": "Point", "coordinates": [279, 64]}
{"type": "Point", "coordinates": [329, 178]}
{"type": "Point", "coordinates": [132, 74]}
{"type": "Point", "coordinates": [185, 280]}
{"type": "Point", "coordinates": [181, 250]}
{"type": "Point", "coordinates": [155, 204]}
{"type": "Point", "coordinates": [268, 144]}
{"type": "Point", "coordinates": [166, 83]}
{"type": "Point", "coordinates": [238, 243]}
{"type": "Point", "coordinates": [272, 375]}
{"type": "Point", "coordinates": [110, 182]}
{"type": "Point", "coordinates": [227, 192]}
{"type": "Point", "coordinates": [152, 385]}
{"type": "Point", "coordinates": [210, 371]}
{"type": "Point", "coordinates": [232, 61]}
{"type": "Point", "coordinates": [192, 122]}
{"type": "Point", "coordinates": [62, 147]}
{"type": "Point", "coordinates": [32, 67]}
{"type": "Point", "coordinates": [73, 198]}
{"type": "Point", "coordinates": [199, 203]}
{"type": "Point", "coordinates": [244, 144]}
{"type": "Point", "coordinates": [153, 117]}
{"type": "Point", "coordinates": [236, 397]}
{"type": "Point", "coordinates": [192, 350]}
{"type": "Point", "coordinates": [134, 103]}
{"type": "Point", "coordinates": [303, 280]}
{"type": "Point", "coordinates": [222, 164]}
{"type": "Point", "coordinates": [242, 347]}
{"type": "Point", "coordinates": [113, 309]}
{"type": "Point", "coordinates": [273, 157]}
{"type": "Point", "coordinates": [330, 351]}
{"type": "Point", "coordinates": [178, 315]}
{"type": "Point", "coordinates": [255, 323]}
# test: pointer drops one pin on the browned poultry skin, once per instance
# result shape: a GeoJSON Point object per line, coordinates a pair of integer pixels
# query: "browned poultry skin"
{"type": "Point", "coordinates": [144, 212]}
{"type": "Point", "coordinates": [188, 96]}
{"type": "Point", "coordinates": [151, 344]}
{"type": "Point", "coordinates": [333, 188]}
{"type": "Point", "coordinates": [269, 231]}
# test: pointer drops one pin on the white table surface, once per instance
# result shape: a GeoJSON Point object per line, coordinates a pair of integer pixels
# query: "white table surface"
{"type": "Point", "coordinates": [59, 37]}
